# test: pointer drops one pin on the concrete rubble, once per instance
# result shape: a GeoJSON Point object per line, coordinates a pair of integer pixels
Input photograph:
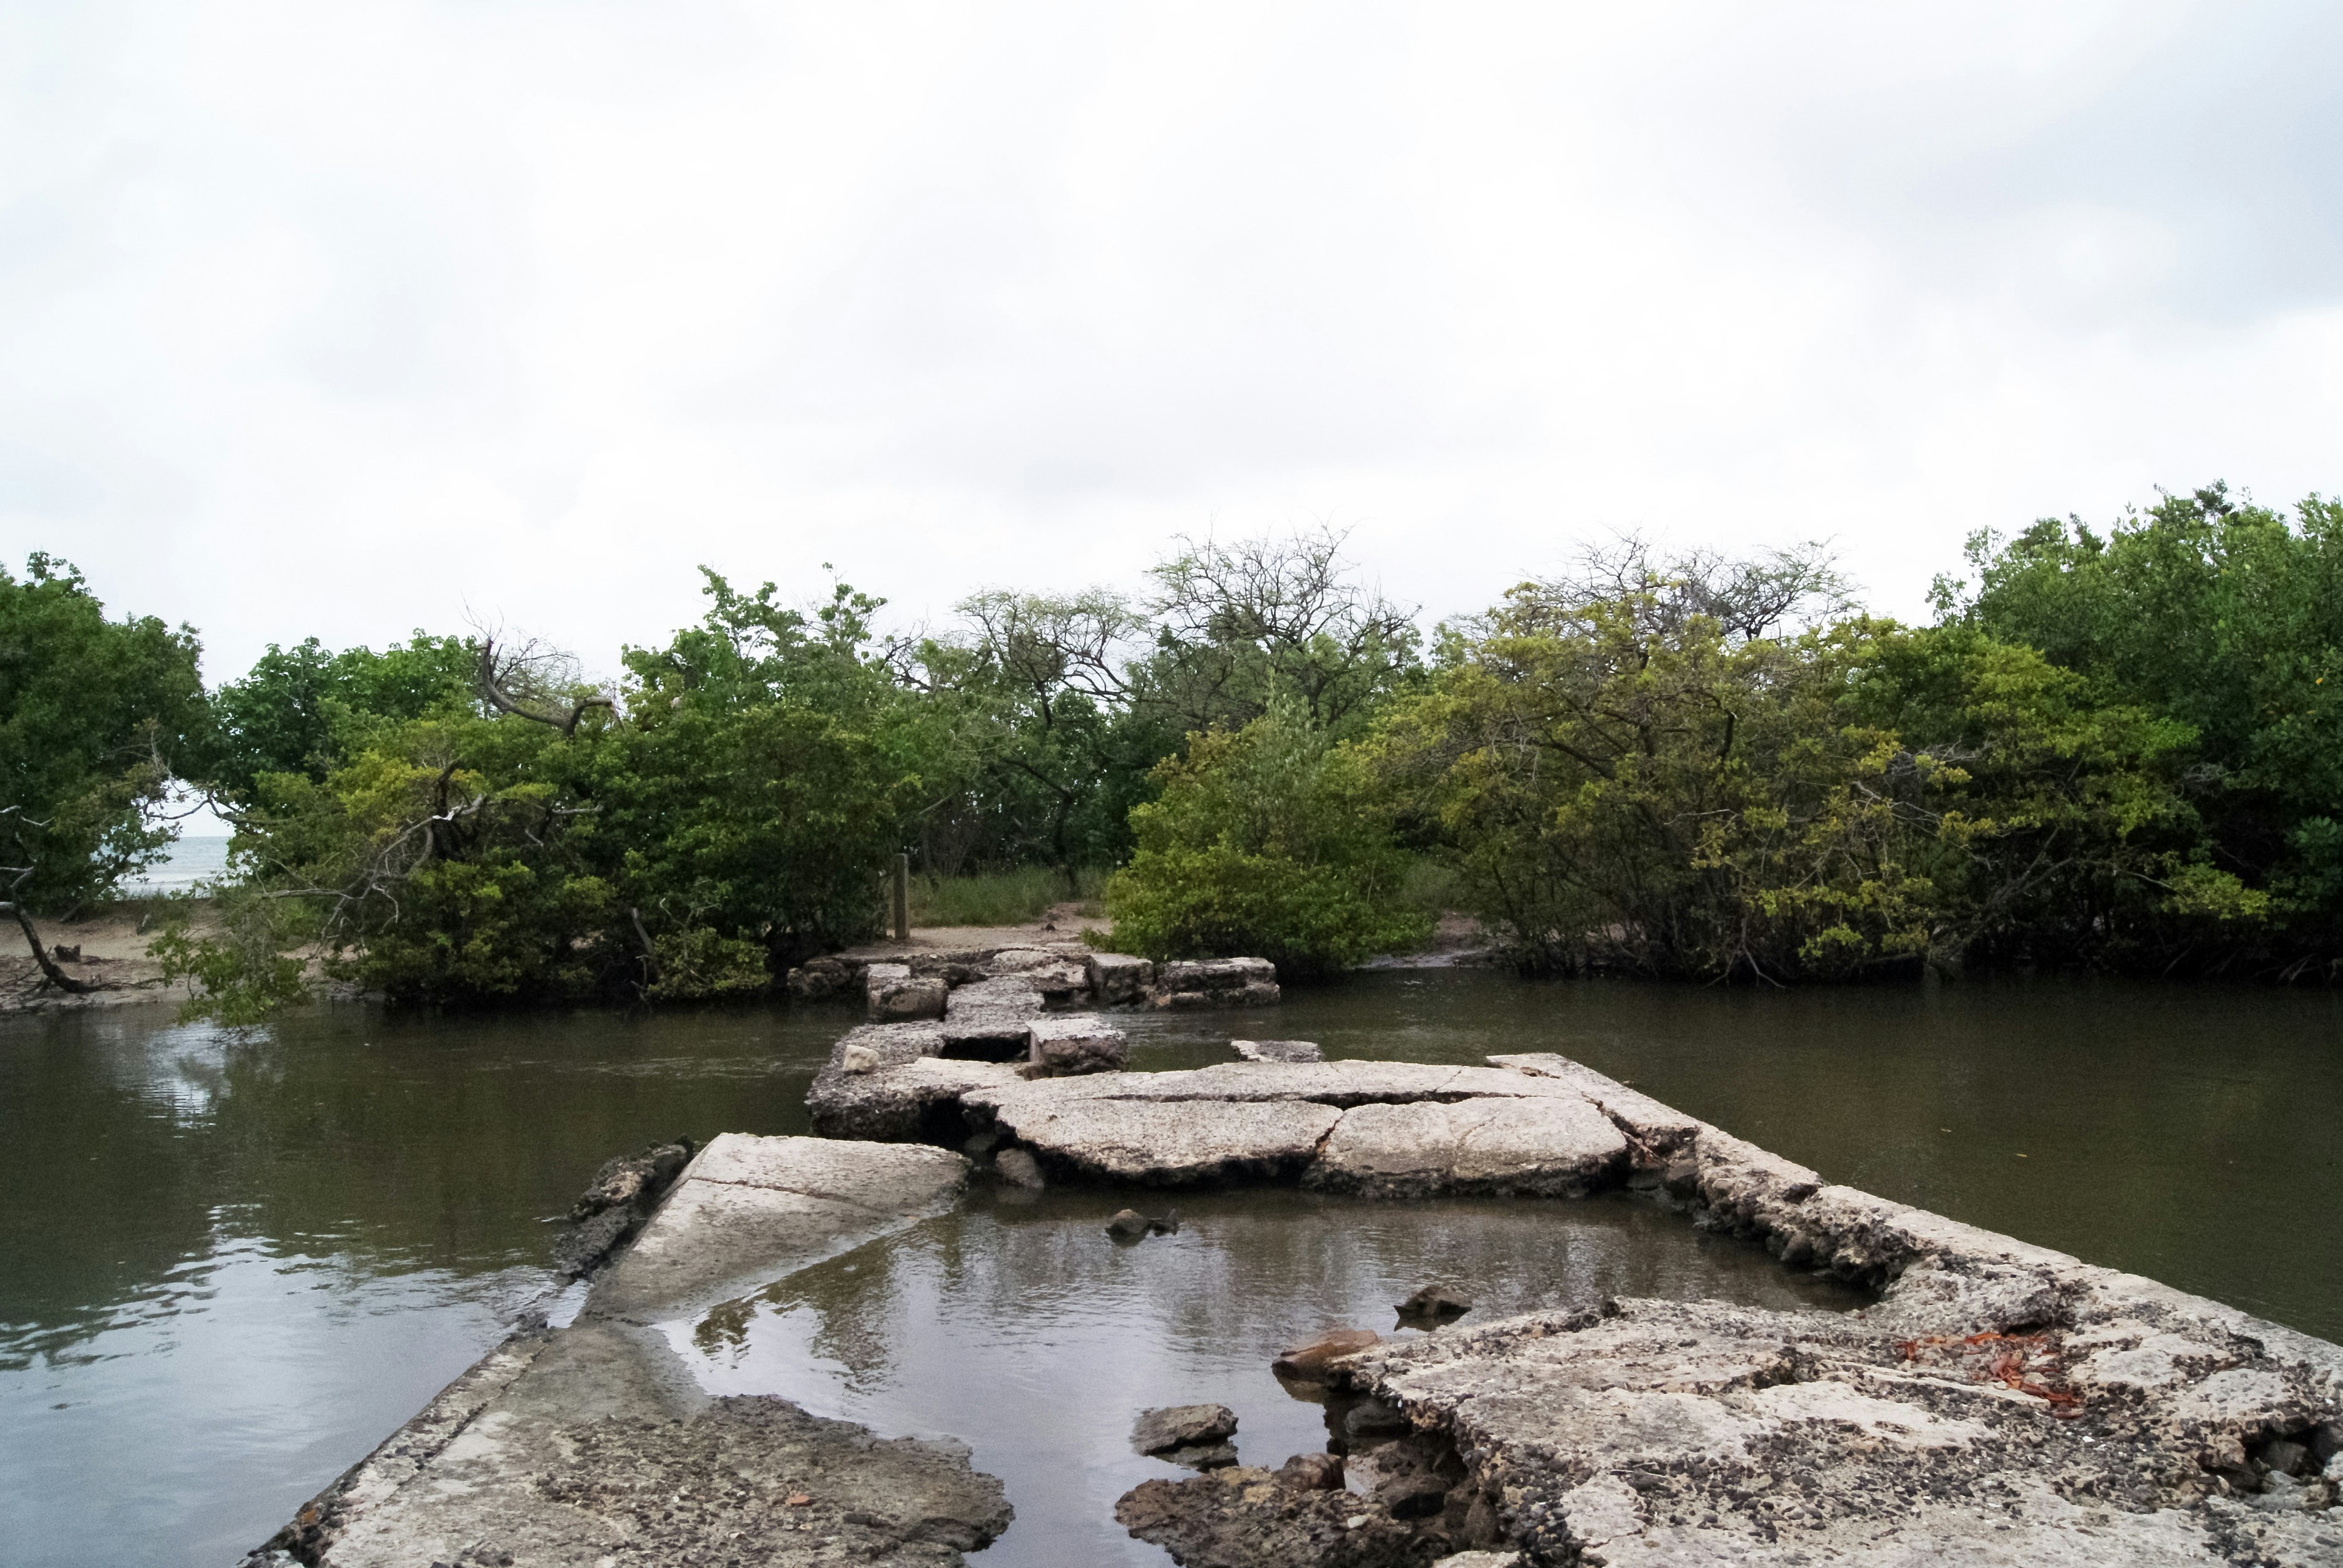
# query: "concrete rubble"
{"type": "Point", "coordinates": [916, 982]}
{"type": "Point", "coordinates": [1288, 1051]}
{"type": "Point", "coordinates": [1998, 1404]}
{"type": "Point", "coordinates": [590, 1445]}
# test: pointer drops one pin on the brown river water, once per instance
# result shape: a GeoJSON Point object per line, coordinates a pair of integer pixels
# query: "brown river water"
{"type": "Point", "coordinates": [230, 1264]}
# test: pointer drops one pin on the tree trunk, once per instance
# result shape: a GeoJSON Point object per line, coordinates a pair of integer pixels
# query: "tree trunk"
{"type": "Point", "coordinates": [56, 977]}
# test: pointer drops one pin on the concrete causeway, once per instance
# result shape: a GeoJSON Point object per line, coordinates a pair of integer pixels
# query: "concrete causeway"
{"type": "Point", "coordinates": [1999, 1403]}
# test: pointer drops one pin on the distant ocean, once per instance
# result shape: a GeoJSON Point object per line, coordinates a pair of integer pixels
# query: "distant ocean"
{"type": "Point", "coordinates": [191, 860]}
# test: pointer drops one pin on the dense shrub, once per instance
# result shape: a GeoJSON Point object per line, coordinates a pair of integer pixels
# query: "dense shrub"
{"type": "Point", "coordinates": [1269, 842]}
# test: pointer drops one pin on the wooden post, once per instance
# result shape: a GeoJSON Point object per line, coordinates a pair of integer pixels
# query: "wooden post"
{"type": "Point", "coordinates": [902, 897]}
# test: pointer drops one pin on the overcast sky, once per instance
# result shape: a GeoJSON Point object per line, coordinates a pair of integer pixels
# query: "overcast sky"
{"type": "Point", "coordinates": [347, 318]}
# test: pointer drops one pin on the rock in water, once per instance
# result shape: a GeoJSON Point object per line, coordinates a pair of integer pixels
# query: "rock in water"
{"type": "Point", "coordinates": [1312, 1471]}
{"type": "Point", "coordinates": [1182, 1426]}
{"type": "Point", "coordinates": [1202, 1455]}
{"type": "Point", "coordinates": [1018, 1167]}
{"type": "Point", "coordinates": [1128, 1225]}
{"type": "Point", "coordinates": [1242, 1518]}
{"type": "Point", "coordinates": [1309, 1363]}
{"type": "Point", "coordinates": [625, 1192]}
{"type": "Point", "coordinates": [1276, 1051]}
{"type": "Point", "coordinates": [1432, 1303]}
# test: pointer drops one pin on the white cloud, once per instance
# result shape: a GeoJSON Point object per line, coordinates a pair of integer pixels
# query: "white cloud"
{"type": "Point", "coordinates": [338, 320]}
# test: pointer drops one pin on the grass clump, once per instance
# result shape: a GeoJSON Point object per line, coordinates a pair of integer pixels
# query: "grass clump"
{"type": "Point", "coordinates": [1012, 898]}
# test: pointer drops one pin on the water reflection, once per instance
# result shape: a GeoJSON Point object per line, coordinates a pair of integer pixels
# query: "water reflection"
{"type": "Point", "coordinates": [1021, 1329]}
{"type": "Point", "coordinates": [234, 1261]}
{"type": "Point", "coordinates": [231, 1263]}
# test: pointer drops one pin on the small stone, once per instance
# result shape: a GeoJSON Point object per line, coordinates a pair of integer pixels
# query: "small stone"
{"type": "Point", "coordinates": [2289, 1458]}
{"type": "Point", "coordinates": [1203, 1456]}
{"type": "Point", "coordinates": [1312, 1471]}
{"type": "Point", "coordinates": [858, 1059]}
{"type": "Point", "coordinates": [1373, 1418]}
{"type": "Point", "coordinates": [798, 1500]}
{"type": "Point", "coordinates": [1128, 1225]}
{"type": "Point", "coordinates": [1018, 1167]}
{"type": "Point", "coordinates": [1182, 1426]}
{"type": "Point", "coordinates": [1433, 1303]}
{"type": "Point", "coordinates": [1309, 1362]}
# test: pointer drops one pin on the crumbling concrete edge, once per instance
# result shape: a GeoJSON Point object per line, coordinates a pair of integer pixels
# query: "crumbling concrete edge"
{"type": "Point", "coordinates": [402, 1456]}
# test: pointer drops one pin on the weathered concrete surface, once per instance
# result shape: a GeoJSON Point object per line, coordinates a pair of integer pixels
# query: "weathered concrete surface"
{"type": "Point", "coordinates": [749, 1208]}
{"type": "Point", "coordinates": [896, 995]}
{"type": "Point", "coordinates": [1216, 982]}
{"type": "Point", "coordinates": [1672, 1432]}
{"type": "Point", "coordinates": [1174, 1143]}
{"type": "Point", "coordinates": [1073, 1043]}
{"type": "Point", "coordinates": [1283, 1051]}
{"type": "Point", "coordinates": [1118, 980]}
{"type": "Point", "coordinates": [1519, 1148]}
{"type": "Point", "coordinates": [2003, 1403]}
{"type": "Point", "coordinates": [1341, 1084]}
{"type": "Point", "coordinates": [592, 1446]}
{"type": "Point", "coordinates": [1243, 1517]}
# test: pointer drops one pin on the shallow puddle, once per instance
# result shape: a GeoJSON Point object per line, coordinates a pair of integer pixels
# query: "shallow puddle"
{"type": "Point", "coordinates": [1022, 1330]}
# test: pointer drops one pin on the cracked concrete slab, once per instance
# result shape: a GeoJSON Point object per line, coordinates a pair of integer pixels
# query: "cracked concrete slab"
{"type": "Point", "coordinates": [591, 1445]}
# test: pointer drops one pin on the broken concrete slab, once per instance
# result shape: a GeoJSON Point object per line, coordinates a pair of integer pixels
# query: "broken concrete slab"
{"type": "Point", "coordinates": [1214, 982]}
{"type": "Point", "coordinates": [1118, 979]}
{"type": "Point", "coordinates": [1328, 1083]}
{"type": "Point", "coordinates": [1244, 1517]}
{"type": "Point", "coordinates": [759, 1207]}
{"type": "Point", "coordinates": [1504, 1147]}
{"type": "Point", "coordinates": [592, 1443]}
{"type": "Point", "coordinates": [1168, 1143]}
{"type": "Point", "coordinates": [911, 1096]}
{"type": "Point", "coordinates": [1658, 1132]}
{"type": "Point", "coordinates": [1004, 993]}
{"type": "Point", "coordinates": [1068, 1044]}
{"type": "Point", "coordinates": [1663, 1433]}
{"type": "Point", "coordinates": [1279, 1050]}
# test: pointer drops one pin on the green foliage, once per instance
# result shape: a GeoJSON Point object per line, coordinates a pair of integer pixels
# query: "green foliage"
{"type": "Point", "coordinates": [303, 708]}
{"type": "Point", "coordinates": [1266, 841]}
{"type": "Point", "coordinates": [766, 768]}
{"type": "Point", "coordinates": [438, 864]}
{"type": "Point", "coordinates": [93, 715]}
{"type": "Point", "coordinates": [2226, 617]}
{"type": "Point", "coordinates": [1621, 780]}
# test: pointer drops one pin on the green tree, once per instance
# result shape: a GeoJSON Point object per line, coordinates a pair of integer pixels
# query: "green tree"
{"type": "Point", "coordinates": [96, 717]}
{"type": "Point", "coordinates": [2227, 618]}
{"type": "Point", "coordinates": [304, 709]}
{"type": "Point", "coordinates": [1266, 841]}
{"type": "Point", "coordinates": [1683, 768]}
{"type": "Point", "coordinates": [768, 764]}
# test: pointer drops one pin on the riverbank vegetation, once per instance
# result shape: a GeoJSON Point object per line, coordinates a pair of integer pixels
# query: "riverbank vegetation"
{"type": "Point", "coordinates": [2118, 748]}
